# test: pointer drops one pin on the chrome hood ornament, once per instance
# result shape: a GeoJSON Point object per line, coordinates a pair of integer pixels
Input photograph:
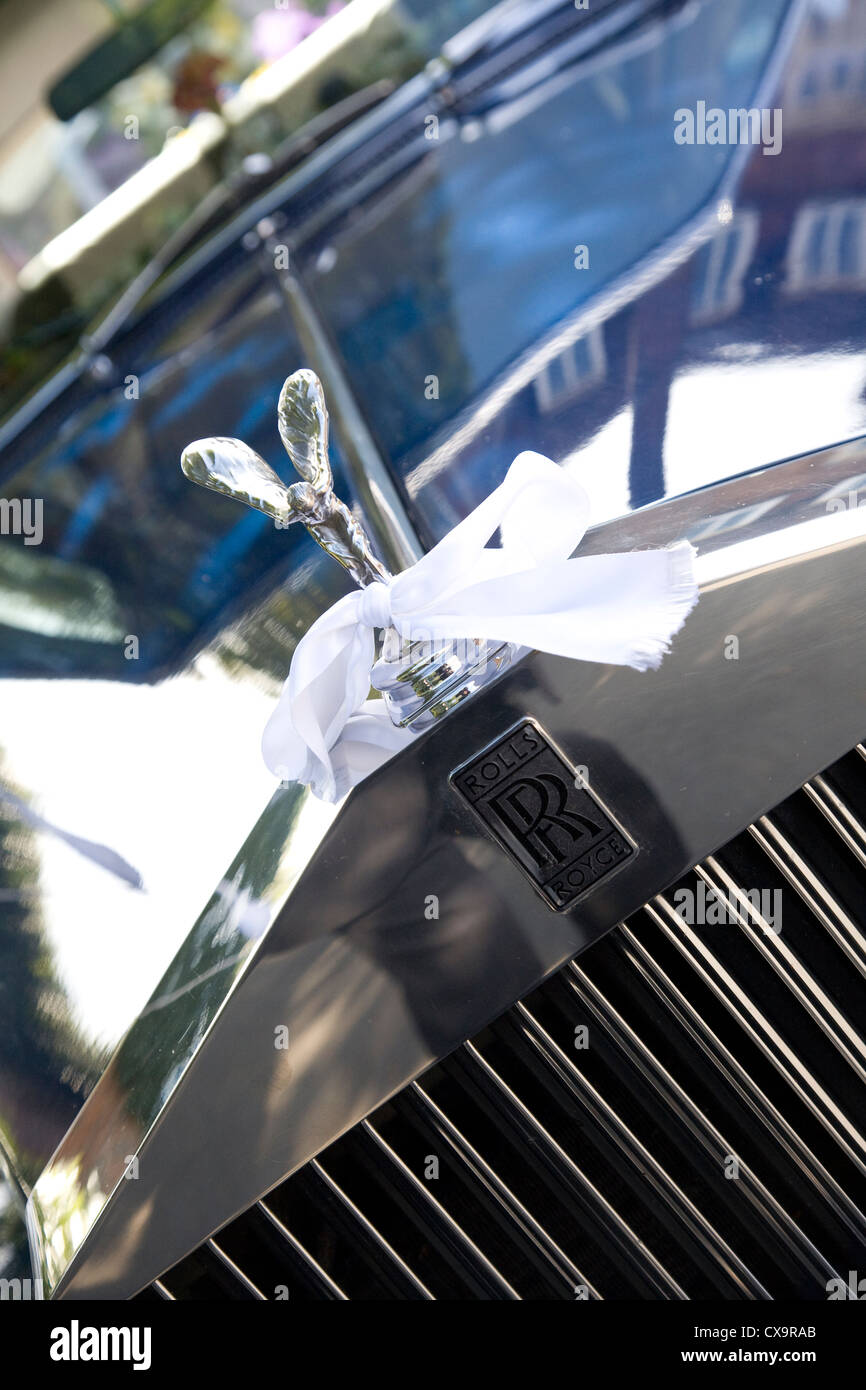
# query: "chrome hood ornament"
{"type": "Point", "coordinates": [419, 680]}
{"type": "Point", "coordinates": [231, 467]}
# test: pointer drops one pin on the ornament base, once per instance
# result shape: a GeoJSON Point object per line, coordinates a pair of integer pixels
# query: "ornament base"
{"type": "Point", "coordinates": [421, 682]}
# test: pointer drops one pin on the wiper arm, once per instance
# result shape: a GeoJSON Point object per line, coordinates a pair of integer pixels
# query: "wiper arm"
{"type": "Point", "coordinates": [256, 172]}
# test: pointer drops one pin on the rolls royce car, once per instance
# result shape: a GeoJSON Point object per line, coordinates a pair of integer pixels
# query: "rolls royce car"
{"type": "Point", "coordinates": [259, 1046]}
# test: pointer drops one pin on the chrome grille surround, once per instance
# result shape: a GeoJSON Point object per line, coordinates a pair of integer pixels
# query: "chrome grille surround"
{"type": "Point", "coordinates": [603, 1172]}
{"type": "Point", "coordinates": [372, 993]}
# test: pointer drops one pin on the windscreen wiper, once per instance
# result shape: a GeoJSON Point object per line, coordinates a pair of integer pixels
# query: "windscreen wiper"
{"type": "Point", "coordinates": [256, 173]}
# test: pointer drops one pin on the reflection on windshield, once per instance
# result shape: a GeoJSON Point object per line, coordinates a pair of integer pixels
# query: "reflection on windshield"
{"type": "Point", "coordinates": [459, 288]}
{"type": "Point", "coordinates": [135, 568]}
{"type": "Point", "coordinates": [86, 201]}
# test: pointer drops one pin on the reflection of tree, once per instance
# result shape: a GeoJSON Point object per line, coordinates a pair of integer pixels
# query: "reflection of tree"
{"type": "Point", "coordinates": [266, 640]}
{"type": "Point", "coordinates": [14, 1249]}
{"type": "Point", "coordinates": [166, 1034]}
{"type": "Point", "coordinates": [47, 1066]}
{"type": "Point", "coordinates": [56, 597]}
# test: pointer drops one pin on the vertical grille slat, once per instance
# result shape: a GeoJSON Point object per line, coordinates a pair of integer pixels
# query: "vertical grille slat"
{"type": "Point", "coordinates": [387, 1250]}
{"type": "Point", "coordinates": [203, 1276]}
{"type": "Point", "coordinates": [559, 1261]}
{"type": "Point", "coordinates": [320, 1275]}
{"type": "Point", "coordinates": [796, 977]}
{"type": "Point", "coordinates": [486, 1121]}
{"type": "Point", "coordinates": [813, 892]}
{"type": "Point", "coordinates": [743, 1085]}
{"type": "Point", "coordinates": [397, 1205]}
{"type": "Point", "coordinates": [740, 1204]}
{"type": "Point", "coordinates": [681, 1208]}
{"type": "Point", "coordinates": [769, 1040]}
{"type": "Point", "coordinates": [676, 1115]}
{"type": "Point", "coordinates": [235, 1270]}
{"type": "Point", "coordinates": [500, 1284]}
{"type": "Point", "coordinates": [653, 1271]}
{"type": "Point", "coordinates": [461, 1188]}
{"type": "Point", "coordinates": [843, 821]}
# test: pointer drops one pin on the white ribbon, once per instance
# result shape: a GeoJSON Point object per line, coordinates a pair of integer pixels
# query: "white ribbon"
{"type": "Point", "coordinates": [622, 609]}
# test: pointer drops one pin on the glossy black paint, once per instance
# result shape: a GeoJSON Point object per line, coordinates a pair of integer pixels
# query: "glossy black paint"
{"type": "Point", "coordinates": [723, 354]}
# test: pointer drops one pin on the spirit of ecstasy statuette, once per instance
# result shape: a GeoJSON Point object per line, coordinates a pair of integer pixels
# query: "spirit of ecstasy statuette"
{"type": "Point", "coordinates": [419, 680]}
{"type": "Point", "coordinates": [454, 619]}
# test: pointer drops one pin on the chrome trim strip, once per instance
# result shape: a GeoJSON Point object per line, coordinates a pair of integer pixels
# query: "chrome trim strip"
{"type": "Point", "coordinates": [456, 1230]}
{"type": "Point", "coordinates": [640, 1254]}
{"type": "Point", "coordinates": [301, 1250]}
{"type": "Point", "coordinates": [356, 1213]}
{"type": "Point", "coordinates": [775, 1049]}
{"type": "Point", "coordinates": [517, 1212]}
{"type": "Point", "coordinates": [636, 954]}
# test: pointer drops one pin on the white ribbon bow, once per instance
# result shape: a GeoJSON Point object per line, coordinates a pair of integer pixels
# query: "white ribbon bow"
{"type": "Point", "coordinates": [622, 609]}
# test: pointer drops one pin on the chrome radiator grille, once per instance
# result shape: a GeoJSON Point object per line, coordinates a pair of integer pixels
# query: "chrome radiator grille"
{"type": "Point", "coordinates": [678, 1114]}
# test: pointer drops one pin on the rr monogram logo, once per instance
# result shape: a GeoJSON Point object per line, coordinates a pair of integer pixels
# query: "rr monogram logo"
{"type": "Point", "coordinates": [534, 808]}
{"type": "Point", "coordinates": [546, 817]}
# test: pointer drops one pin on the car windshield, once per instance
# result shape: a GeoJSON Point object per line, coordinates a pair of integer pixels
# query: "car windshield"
{"type": "Point", "coordinates": [472, 297]}
{"type": "Point", "coordinates": [541, 265]}
{"type": "Point", "coordinates": [118, 120]}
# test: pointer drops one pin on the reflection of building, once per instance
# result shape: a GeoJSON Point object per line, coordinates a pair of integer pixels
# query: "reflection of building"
{"type": "Point", "coordinates": [782, 279]}
{"type": "Point", "coordinates": [825, 83]}
{"type": "Point", "coordinates": [720, 268]}
{"type": "Point", "coordinates": [581, 365]}
{"type": "Point", "coordinates": [827, 249]}
{"type": "Point", "coordinates": [44, 177]}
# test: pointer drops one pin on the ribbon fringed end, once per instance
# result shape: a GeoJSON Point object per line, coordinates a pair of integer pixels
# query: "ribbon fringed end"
{"type": "Point", "coordinates": [674, 606]}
